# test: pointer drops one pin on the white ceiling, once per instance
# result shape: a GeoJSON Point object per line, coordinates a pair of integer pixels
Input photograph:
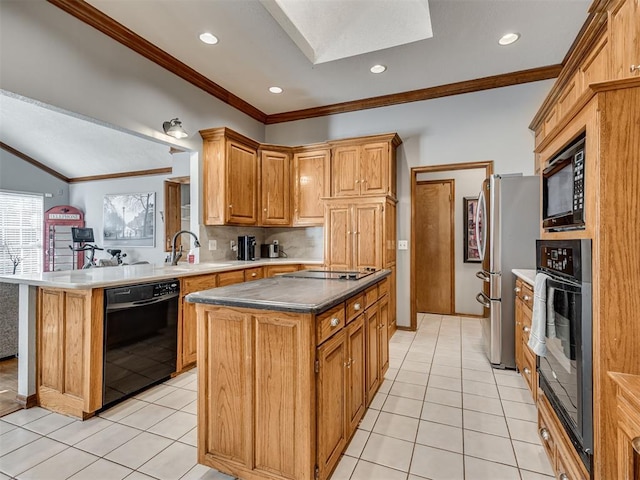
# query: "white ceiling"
{"type": "Point", "coordinates": [255, 53]}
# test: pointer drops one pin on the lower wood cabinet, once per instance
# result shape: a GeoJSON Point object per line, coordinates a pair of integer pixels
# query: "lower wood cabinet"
{"type": "Point", "coordinates": [628, 415]}
{"type": "Point", "coordinates": [187, 325]}
{"type": "Point", "coordinates": [525, 358]}
{"type": "Point", "coordinates": [281, 394]}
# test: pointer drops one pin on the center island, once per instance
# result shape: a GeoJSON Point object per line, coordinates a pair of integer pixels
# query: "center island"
{"type": "Point", "coordinates": [286, 370]}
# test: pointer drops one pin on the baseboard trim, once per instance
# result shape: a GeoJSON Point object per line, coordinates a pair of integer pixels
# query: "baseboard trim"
{"type": "Point", "coordinates": [468, 315]}
{"type": "Point", "coordinates": [27, 402]}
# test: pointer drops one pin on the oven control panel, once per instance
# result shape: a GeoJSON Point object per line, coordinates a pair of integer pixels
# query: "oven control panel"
{"type": "Point", "coordinates": [558, 259]}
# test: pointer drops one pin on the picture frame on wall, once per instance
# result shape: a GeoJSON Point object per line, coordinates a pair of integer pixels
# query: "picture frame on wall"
{"type": "Point", "coordinates": [470, 246]}
{"type": "Point", "coordinates": [129, 220]}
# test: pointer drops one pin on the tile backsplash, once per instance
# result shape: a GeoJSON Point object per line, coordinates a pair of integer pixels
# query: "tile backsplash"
{"type": "Point", "coordinates": [294, 242]}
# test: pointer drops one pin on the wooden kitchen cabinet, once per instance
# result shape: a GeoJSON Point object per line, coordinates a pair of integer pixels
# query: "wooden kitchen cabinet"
{"type": "Point", "coordinates": [230, 278]}
{"type": "Point", "coordinates": [272, 270]}
{"type": "Point", "coordinates": [251, 274]}
{"type": "Point", "coordinates": [311, 184]}
{"type": "Point", "coordinates": [525, 358]}
{"type": "Point", "coordinates": [624, 37]}
{"type": "Point", "coordinates": [188, 327]}
{"type": "Point", "coordinates": [364, 166]}
{"type": "Point", "coordinates": [230, 178]}
{"type": "Point", "coordinates": [275, 185]}
{"type": "Point", "coordinates": [356, 394]}
{"type": "Point", "coordinates": [69, 336]}
{"type": "Point", "coordinates": [372, 322]}
{"type": "Point", "coordinates": [628, 434]}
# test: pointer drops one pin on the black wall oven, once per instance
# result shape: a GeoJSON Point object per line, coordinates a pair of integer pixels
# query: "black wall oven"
{"type": "Point", "coordinates": [565, 370]}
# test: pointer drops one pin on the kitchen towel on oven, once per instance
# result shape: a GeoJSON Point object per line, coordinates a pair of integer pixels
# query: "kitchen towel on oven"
{"type": "Point", "coordinates": [540, 319]}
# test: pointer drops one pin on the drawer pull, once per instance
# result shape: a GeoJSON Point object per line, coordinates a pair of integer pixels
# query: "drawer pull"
{"type": "Point", "coordinates": [633, 68]}
{"type": "Point", "coordinates": [544, 434]}
{"type": "Point", "coordinates": [527, 371]}
{"type": "Point", "coordinates": [636, 444]}
{"type": "Point", "coordinates": [334, 322]}
{"type": "Point", "coordinates": [563, 476]}
{"type": "Point", "coordinates": [526, 329]}
{"type": "Point", "coordinates": [357, 306]}
{"type": "Point", "coordinates": [517, 289]}
{"type": "Point", "coordinates": [254, 274]}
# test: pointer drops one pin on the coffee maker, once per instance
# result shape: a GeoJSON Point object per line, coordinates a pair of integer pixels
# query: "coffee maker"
{"type": "Point", "coordinates": [246, 247]}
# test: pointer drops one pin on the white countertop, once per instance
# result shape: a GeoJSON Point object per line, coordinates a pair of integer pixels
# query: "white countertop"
{"type": "Point", "coordinates": [131, 274]}
{"type": "Point", "coordinates": [528, 276]}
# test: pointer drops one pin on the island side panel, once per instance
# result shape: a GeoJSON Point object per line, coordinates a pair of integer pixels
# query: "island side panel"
{"type": "Point", "coordinates": [255, 372]}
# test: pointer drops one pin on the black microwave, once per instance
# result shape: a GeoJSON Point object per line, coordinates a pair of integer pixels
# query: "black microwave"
{"type": "Point", "coordinates": [563, 188]}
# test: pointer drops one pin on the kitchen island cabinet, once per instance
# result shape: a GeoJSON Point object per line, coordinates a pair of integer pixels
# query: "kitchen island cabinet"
{"type": "Point", "coordinates": [282, 364]}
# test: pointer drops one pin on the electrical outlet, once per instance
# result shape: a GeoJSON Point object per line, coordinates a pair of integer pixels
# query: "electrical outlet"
{"type": "Point", "coordinates": [233, 246]}
{"type": "Point", "coordinates": [275, 242]}
{"type": "Point", "coordinates": [403, 244]}
{"type": "Point", "coordinates": [213, 245]}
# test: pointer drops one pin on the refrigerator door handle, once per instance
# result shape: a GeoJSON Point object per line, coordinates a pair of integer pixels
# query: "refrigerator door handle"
{"type": "Point", "coordinates": [482, 299]}
{"type": "Point", "coordinates": [482, 275]}
{"type": "Point", "coordinates": [481, 240]}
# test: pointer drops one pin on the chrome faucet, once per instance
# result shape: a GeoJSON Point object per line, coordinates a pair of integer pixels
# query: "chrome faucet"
{"type": "Point", "coordinates": [174, 256]}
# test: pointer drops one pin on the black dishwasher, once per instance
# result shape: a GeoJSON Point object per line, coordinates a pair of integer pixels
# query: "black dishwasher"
{"type": "Point", "coordinates": [140, 337]}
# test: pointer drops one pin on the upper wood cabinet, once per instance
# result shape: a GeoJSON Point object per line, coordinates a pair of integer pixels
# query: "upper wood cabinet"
{"type": "Point", "coordinates": [275, 185]}
{"type": "Point", "coordinates": [624, 35]}
{"type": "Point", "coordinates": [311, 184]}
{"type": "Point", "coordinates": [230, 178]}
{"type": "Point", "coordinates": [364, 166]}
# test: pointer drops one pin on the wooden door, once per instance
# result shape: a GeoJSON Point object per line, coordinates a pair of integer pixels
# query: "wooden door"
{"type": "Point", "coordinates": [383, 337]}
{"type": "Point", "coordinates": [356, 373]}
{"type": "Point", "coordinates": [172, 213]}
{"type": "Point", "coordinates": [332, 394]}
{"type": "Point", "coordinates": [311, 183]}
{"type": "Point", "coordinates": [434, 250]}
{"type": "Point", "coordinates": [374, 168]}
{"type": "Point", "coordinates": [242, 183]}
{"type": "Point", "coordinates": [367, 222]}
{"type": "Point", "coordinates": [338, 237]}
{"type": "Point", "coordinates": [372, 351]}
{"type": "Point", "coordinates": [345, 178]}
{"type": "Point", "coordinates": [624, 28]}
{"type": "Point", "coordinates": [274, 183]}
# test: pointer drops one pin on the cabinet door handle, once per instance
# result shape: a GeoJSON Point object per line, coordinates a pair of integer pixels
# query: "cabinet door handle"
{"type": "Point", "coordinates": [357, 306]}
{"type": "Point", "coordinates": [357, 181]}
{"type": "Point", "coordinates": [517, 289]}
{"type": "Point", "coordinates": [636, 444]}
{"type": "Point", "coordinates": [563, 476]}
{"type": "Point", "coordinates": [526, 329]}
{"type": "Point", "coordinates": [254, 274]}
{"type": "Point", "coordinates": [334, 322]}
{"type": "Point", "coordinates": [527, 298]}
{"type": "Point", "coordinates": [527, 371]}
{"type": "Point", "coordinates": [363, 180]}
{"type": "Point", "coordinates": [230, 206]}
{"type": "Point", "coordinates": [633, 68]}
{"type": "Point", "coordinates": [544, 434]}
{"type": "Point", "coordinates": [265, 209]}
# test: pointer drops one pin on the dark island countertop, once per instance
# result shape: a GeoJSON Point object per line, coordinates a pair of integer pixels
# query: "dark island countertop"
{"type": "Point", "coordinates": [301, 295]}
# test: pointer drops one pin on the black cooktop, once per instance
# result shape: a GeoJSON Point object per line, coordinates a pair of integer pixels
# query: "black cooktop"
{"type": "Point", "coordinates": [330, 274]}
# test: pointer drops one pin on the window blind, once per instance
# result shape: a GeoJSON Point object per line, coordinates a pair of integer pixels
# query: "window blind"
{"type": "Point", "coordinates": [21, 225]}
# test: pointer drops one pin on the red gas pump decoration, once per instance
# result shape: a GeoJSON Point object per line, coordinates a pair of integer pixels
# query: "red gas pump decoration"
{"type": "Point", "coordinates": [58, 222]}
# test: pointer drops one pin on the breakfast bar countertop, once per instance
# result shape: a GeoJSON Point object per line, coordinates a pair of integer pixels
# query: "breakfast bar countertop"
{"type": "Point", "coordinates": [301, 295]}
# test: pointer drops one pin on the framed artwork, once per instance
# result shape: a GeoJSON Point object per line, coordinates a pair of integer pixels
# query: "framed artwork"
{"type": "Point", "coordinates": [470, 245]}
{"type": "Point", "coordinates": [129, 220]}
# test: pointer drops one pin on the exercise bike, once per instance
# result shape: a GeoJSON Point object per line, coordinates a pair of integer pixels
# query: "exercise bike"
{"type": "Point", "coordinates": [87, 247]}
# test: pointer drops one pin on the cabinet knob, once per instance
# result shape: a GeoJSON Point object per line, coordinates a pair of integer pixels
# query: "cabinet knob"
{"type": "Point", "coordinates": [334, 322]}
{"type": "Point", "coordinates": [363, 180]}
{"type": "Point", "coordinates": [527, 371]}
{"type": "Point", "coordinates": [517, 289]}
{"type": "Point", "coordinates": [347, 364]}
{"type": "Point", "coordinates": [254, 274]}
{"type": "Point", "coordinates": [357, 181]}
{"type": "Point", "coordinates": [544, 434]}
{"type": "Point", "coordinates": [230, 206]}
{"type": "Point", "coordinates": [527, 298]}
{"type": "Point", "coordinates": [634, 68]}
{"type": "Point", "coordinates": [563, 476]}
{"type": "Point", "coordinates": [357, 306]}
{"type": "Point", "coordinates": [265, 209]}
{"type": "Point", "coordinates": [636, 444]}
{"type": "Point", "coordinates": [526, 329]}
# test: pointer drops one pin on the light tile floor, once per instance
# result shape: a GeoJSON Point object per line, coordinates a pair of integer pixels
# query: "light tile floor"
{"type": "Point", "coordinates": [442, 413]}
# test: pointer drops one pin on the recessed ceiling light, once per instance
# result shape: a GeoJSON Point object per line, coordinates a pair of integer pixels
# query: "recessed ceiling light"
{"type": "Point", "coordinates": [208, 38]}
{"type": "Point", "coordinates": [378, 69]}
{"type": "Point", "coordinates": [275, 89]}
{"type": "Point", "coordinates": [509, 38]}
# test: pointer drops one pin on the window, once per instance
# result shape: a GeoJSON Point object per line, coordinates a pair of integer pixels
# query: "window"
{"type": "Point", "coordinates": [21, 217]}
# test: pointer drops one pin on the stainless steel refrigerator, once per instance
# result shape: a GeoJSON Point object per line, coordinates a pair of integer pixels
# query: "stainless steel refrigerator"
{"type": "Point", "coordinates": [507, 226]}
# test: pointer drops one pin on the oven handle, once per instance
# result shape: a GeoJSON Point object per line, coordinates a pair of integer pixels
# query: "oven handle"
{"type": "Point", "coordinates": [483, 300]}
{"type": "Point", "coordinates": [564, 286]}
{"type": "Point", "coordinates": [141, 303]}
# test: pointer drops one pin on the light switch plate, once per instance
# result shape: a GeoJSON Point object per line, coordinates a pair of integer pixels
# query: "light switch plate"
{"type": "Point", "coordinates": [213, 244]}
{"type": "Point", "coordinates": [403, 244]}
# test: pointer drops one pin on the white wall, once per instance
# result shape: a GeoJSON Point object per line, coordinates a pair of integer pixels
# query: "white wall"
{"type": "Point", "coordinates": [467, 183]}
{"type": "Point", "coordinates": [488, 125]}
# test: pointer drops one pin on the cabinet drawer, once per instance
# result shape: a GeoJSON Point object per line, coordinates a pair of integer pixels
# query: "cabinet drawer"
{"type": "Point", "coordinates": [526, 324]}
{"type": "Point", "coordinates": [355, 306]}
{"type": "Point", "coordinates": [371, 296]}
{"type": "Point", "coordinates": [198, 283]}
{"type": "Point", "coordinates": [383, 287]}
{"type": "Point", "coordinates": [546, 431]}
{"type": "Point", "coordinates": [529, 369]}
{"type": "Point", "coordinates": [330, 322]}
{"type": "Point", "coordinates": [524, 291]}
{"type": "Point", "coordinates": [253, 274]}
{"type": "Point", "coordinates": [229, 278]}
